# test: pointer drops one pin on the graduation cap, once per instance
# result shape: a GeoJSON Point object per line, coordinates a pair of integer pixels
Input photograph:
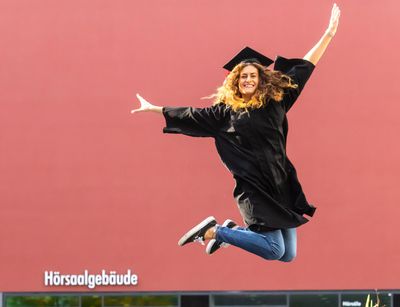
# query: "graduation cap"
{"type": "Point", "coordinates": [248, 55]}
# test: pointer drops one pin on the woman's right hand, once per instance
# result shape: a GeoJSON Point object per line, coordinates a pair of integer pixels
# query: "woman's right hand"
{"type": "Point", "coordinates": [146, 106]}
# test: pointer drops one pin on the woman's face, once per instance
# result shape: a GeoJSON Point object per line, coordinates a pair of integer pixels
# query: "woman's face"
{"type": "Point", "coordinates": [248, 81]}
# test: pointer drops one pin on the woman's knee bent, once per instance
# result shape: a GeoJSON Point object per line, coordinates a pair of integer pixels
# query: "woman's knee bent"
{"type": "Point", "coordinates": [273, 253]}
{"type": "Point", "coordinates": [288, 256]}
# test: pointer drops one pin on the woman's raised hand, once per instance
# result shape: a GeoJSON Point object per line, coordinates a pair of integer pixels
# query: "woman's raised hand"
{"type": "Point", "coordinates": [334, 21]}
{"type": "Point", "coordinates": [146, 106]}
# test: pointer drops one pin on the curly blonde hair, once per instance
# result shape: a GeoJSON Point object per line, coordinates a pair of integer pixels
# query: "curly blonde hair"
{"type": "Point", "coordinates": [270, 87]}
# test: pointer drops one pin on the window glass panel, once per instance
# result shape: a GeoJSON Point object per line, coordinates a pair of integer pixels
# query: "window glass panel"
{"type": "Point", "coordinates": [250, 300]}
{"type": "Point", "coordinates": [359, 299]}
{"type": "Point", "coordinates": [41, 301]}
{"type": "Point", "coordinates": [320, 300]}
{"type": "Point", "coordinates": [142, 300]}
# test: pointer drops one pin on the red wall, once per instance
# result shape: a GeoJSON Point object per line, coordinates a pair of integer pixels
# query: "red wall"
{"type": "Point", "coordinates": [86, 185]}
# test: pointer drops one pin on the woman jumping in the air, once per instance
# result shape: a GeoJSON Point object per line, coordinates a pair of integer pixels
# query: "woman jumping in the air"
{"type": "Point", "coordinates": [248, 122]}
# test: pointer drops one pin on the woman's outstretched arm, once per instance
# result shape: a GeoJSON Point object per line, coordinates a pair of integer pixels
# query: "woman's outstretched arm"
{"type": "Point", "coordinates": [146, 106]}
{"type": "Point", "coordinates": [318, 50]}
{"type": "Point", "coordinates": [190, 121]}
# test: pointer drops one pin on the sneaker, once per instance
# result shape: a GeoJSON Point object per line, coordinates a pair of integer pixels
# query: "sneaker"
{"type": "Point", "coordinates": [214, 245]}
{"type": "Point", "coordinates": [196, 234]}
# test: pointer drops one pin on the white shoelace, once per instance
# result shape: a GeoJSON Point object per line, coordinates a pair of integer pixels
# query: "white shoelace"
{"type": "Point", "coordinates": [199, 240]}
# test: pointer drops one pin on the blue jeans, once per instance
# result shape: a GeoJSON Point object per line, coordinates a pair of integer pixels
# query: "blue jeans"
{"type": "Point", "coordinates": [278, 244]}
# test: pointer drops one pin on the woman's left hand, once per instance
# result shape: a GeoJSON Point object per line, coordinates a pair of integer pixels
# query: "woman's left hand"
{"type": "Point", "coordinates": [334, 21]}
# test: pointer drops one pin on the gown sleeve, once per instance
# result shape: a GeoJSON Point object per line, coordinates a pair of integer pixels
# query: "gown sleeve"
{"type": "Point", "coordinates": [300, 71]}
{"type": "Point", "coordinates": [197, 122]}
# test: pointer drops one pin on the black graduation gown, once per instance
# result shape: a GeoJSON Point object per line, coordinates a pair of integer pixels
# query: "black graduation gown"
{"type": "Point", "coordinates": [252, 145]}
